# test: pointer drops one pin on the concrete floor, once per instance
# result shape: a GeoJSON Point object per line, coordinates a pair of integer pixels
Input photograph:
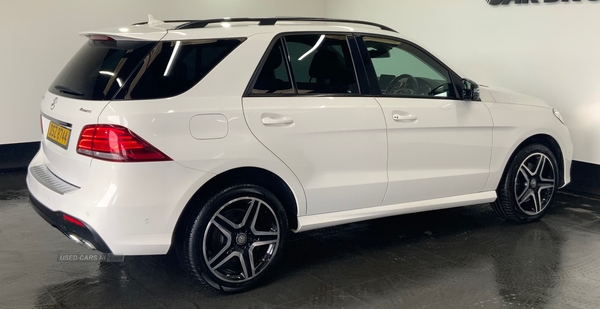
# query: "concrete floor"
{"type": "Point", "coordinates": [458, 258]}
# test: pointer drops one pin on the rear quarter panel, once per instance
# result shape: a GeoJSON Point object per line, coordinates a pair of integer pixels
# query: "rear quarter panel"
{"type": "Point", "coordinates": [165, 123]}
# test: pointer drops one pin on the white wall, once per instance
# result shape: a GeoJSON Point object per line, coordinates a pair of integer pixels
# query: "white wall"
{"type": "Point", "coordinates": [545, 50]}
{"type": "Point", "coordinates": [551, 51]}
{"type": "Point", "coordinates": [40, 36]}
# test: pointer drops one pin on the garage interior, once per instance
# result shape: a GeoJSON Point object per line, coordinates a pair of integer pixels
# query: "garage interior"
{"type": "Point", "coordinates": [456, 258]}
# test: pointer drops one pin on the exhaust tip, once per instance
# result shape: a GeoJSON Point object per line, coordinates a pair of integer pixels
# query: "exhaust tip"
{"type": "Point", "coordinates": [82, 242]}
{"type": "Point", "coordinates": [75, 238]}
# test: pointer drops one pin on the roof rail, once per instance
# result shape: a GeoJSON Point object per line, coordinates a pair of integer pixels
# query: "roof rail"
{"type": "Point", "coordinates": [268, 21]}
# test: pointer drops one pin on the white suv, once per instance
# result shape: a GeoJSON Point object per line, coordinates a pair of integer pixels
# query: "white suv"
{"type": "Point", "coordinates": [217, 137]}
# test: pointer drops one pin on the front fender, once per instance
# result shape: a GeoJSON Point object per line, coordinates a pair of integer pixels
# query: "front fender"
{"type": "Point", "coordinates": [514, 124]}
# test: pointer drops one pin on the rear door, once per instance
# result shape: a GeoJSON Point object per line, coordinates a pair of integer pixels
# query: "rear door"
{"type": "Point", "coordinates": [77, 97]}
{"type": "Point", "coordinates": [439, 146]}
{"type": "Point", "coordinates": [309, 112]}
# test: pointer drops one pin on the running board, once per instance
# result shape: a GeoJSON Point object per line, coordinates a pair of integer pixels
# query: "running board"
{"type": "Point", "coordinates": [307, 223]}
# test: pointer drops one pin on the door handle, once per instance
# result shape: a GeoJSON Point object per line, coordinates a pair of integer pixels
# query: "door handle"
{"type": "Point", "coordinates": [399, 117]}
{"type": "Point", "coordinates": [270, 121]}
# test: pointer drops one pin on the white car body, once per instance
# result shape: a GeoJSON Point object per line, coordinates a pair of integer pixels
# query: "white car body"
{"type": "Point", "coordinates": [453, 155]}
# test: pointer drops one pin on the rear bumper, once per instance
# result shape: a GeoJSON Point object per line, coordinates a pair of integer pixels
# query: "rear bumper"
{"type": "Point", "coordinates": [56, 219]}
{"type": "Point", "coordinates": [126, 209]}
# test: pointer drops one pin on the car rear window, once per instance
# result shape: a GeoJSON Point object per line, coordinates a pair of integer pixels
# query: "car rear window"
{"type": "Point", "coordinates": [129, 70]}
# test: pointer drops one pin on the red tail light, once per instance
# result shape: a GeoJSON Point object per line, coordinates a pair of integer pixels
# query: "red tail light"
{"type": "Point", "coordinates": [116, 143]}
{"type": "Point", "coordinates": [99, 37]}
{"type": "Point", "coordinates": [73, 220]}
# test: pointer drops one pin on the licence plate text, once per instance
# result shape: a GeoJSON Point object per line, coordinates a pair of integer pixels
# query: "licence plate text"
{"type": "Point", "coordinates": [58, 135]}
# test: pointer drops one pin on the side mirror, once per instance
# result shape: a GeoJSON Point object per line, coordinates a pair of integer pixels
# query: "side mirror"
{"type": "Point", "coordinates": [470, 90]}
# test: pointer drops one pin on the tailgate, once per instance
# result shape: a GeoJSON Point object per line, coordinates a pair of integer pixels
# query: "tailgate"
{"type": "Point", "coordinates": [81, 91]}
{"type": "Point", "coordinates": [62, 120]}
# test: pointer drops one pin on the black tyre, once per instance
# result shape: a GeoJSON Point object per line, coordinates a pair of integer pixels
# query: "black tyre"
{"type": "Point", "coordinates": [235, 238]}
{"type": "Point", "coordinates": [529, 185]}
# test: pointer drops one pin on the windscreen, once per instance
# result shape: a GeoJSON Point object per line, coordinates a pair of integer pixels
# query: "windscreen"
{"type": "Point", "coordinates": [122, 70]}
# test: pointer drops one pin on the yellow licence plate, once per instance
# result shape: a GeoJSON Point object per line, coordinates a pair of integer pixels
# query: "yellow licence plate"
{"type": "Point", "coordinates": [58, 135]}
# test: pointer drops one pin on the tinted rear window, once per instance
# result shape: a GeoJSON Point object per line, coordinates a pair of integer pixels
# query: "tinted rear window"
{"type": "Point", "coordinates": [125, 70]}
{"type": "Point", "coordinates": [99, 69]}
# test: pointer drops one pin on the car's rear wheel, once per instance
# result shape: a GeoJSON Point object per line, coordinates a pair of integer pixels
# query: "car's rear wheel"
{"type": "Point", "coordinates": [235, 238]}
{"type": "Point", "coordinates": [529, 186]}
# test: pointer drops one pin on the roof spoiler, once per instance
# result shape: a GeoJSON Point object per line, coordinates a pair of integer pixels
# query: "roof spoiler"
{"type": "Point", "coordinates": [150, 33]}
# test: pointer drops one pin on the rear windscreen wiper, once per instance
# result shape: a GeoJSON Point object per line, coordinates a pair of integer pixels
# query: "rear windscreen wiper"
{"type": "Point", "coordinates": [66, 90]}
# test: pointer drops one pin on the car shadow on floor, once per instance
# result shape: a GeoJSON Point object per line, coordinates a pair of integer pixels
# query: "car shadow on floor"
{"type": "Point", "coordinates": [460, 258]}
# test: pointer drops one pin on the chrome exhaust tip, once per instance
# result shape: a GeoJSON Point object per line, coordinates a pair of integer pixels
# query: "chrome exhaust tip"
{"type": "Point", "coordinates": [75, 238]}
{"type": "Point", "coordinates": [82, 242]}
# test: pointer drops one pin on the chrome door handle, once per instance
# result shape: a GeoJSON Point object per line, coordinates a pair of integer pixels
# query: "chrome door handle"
{"type": "Point", "coordinates": [398, 117]}
{"type": "Point", "coordinates": [269, 121]}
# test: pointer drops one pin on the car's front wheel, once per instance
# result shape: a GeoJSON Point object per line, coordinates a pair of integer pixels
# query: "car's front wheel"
{"type": "Point", "coordinates": [235, 238]}
{"type": "Point", "coordinates": [529, 185]}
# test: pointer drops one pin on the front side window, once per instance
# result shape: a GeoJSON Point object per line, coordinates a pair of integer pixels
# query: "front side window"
{"type": "Point", "coordinates": [404, 70]}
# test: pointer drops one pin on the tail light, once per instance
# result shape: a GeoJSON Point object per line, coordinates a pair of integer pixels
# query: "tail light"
{"type": "Point", "coordinates": [116, 143]}
{"type": "Point", "coordinates": [73, 220]}
{"type": "Point", "coordinates": [99, 37]}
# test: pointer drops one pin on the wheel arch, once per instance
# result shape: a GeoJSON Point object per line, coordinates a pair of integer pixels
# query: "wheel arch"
{"type": "Point", "coordinates": [546, 140]}
{"type": "Point", "coordinates": [254, 175]}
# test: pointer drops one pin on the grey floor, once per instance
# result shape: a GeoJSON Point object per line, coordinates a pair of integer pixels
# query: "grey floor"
{"type": "Point", "coordinates": [457, 258]}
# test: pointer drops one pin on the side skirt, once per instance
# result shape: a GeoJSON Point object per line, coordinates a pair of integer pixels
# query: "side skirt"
{"type": "Point", "coordinates": [307, 223]}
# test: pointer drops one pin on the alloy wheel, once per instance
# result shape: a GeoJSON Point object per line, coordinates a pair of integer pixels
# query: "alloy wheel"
{"type": "Point", "coordinates": [241, 239]}
{"type": "Point", "coordinates": [535, 183]}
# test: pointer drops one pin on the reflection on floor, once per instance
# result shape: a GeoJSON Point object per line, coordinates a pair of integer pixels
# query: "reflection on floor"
{"type": "Point", "coordinates": [457, 258]}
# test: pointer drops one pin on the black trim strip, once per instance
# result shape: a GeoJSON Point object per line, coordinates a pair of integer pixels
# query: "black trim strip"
{"type": "Point", "coordinates": [362, 79]}
{"type": "Point", "coordinates": [288, 65]}
{"type": "Point", "coordinates": [368, 66]}
{"type": "Point", "coordinates": [56, 220]}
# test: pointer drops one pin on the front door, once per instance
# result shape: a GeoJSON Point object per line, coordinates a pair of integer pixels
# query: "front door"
{"type": "Point", "coordinates": [439, 145]}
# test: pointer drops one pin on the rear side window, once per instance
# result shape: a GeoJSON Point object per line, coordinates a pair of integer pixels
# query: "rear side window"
{"type": "Point", "coordinates": [172, 68]}
{"type": "Point", "coordinates": [137, 71]}
{"type": "Point", "coordinates": [319, 64]}
{"type": "Point", "coordinates": [274, 76]}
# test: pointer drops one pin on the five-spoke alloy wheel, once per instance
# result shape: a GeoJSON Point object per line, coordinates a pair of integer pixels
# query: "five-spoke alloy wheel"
{"type": "Point", "coordinates": [529, 185]}
{"type": "Point", "coordinates": [235, 238]}
{"type": "Point", "coordinates": [535, 183]}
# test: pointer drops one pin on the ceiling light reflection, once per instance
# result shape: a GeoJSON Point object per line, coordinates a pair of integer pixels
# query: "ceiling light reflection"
{"type": "Point", "coordinates": [175, 50]}
{"type": "Point", "coordinates": [321, 38]}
